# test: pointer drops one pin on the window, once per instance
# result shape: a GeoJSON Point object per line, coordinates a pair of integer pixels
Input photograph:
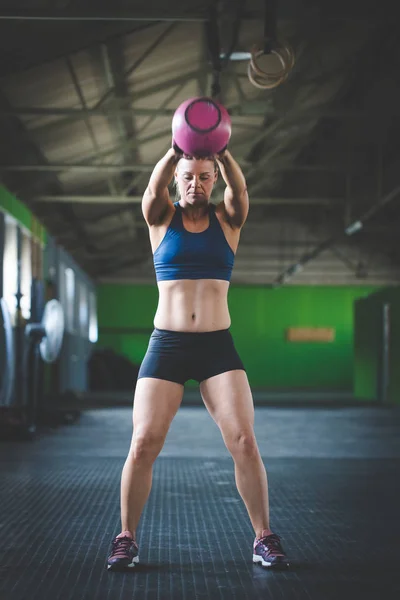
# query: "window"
{"type": "Point", "coordinates": [69, 299]}
{"type": "Point", "coordinates": [10, 270]}
{"type": "Point", "coordinates": [93, 329]}
{"type": "Point", "coordinates": [83, 311]}
{"type": "Point", "coordinates": [26, 276]}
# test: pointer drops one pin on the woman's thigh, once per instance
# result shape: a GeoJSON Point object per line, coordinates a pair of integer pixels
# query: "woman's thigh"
{"type": "Point", "coordinates": [155, 404]}
{"type": "Point", "coordinates": [229, 401]}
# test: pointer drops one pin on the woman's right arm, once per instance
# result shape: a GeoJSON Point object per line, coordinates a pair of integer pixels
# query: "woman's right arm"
{"type": "Point", "coordinates": [156, 200]}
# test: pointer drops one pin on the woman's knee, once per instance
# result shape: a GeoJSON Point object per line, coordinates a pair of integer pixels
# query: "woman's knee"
{"type": "Point", "coordinates": [242, 443]}
{"type": "Point", "coordinates": [146, 447]}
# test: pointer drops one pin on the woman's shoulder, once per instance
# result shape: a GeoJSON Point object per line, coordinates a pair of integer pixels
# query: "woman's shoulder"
{"type": "Point", "coordinates": [224, 219]}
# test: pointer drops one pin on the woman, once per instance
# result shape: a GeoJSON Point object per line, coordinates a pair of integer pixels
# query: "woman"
{"type": "Point", "coordinates": [194, 245]}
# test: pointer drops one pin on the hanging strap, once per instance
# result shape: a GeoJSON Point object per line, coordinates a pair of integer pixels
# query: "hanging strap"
{"type": "Point", "coordinates": [214, 47]}
{"type": "Point", "coordinates": [269, 25]}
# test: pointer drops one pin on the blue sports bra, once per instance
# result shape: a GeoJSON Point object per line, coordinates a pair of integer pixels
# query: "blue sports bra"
{"type": "Point", "coordinates": [186, 255]}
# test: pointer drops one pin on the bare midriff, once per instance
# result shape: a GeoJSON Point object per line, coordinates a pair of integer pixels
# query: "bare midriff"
{"type": "Point", "coordinates": [193, 305]}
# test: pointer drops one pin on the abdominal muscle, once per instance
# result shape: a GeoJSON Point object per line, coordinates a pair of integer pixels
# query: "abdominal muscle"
{"type": "Point", "coordinates": [193, 305]}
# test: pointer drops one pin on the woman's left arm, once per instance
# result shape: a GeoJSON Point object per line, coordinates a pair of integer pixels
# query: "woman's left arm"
{"type": "Point", "coordinates": [236, 199]}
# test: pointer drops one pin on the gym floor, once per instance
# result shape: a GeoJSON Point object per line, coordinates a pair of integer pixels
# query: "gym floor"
{"type": "Point", "coordinates": [334, 494]}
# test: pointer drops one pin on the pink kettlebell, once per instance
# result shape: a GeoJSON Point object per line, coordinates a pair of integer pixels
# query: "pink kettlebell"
{"type": "Point", "coordinates": [201, 127]}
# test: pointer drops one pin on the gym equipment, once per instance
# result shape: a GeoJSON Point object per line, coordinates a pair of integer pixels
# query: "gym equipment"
{"type": "Point", "coordinates": [44, 340]}
{"type": "Point", "coordinates": [201, 127]}
{"type": "Point", "coordinates": [50, 331]}
{"type": "Point", "coordinates": [269, 77]}
{"type": "Point", "coordinates": [271, 63]}
{"type": "Point", "coordinates": [110, 371]}
{"type": "Point", "coordinates": [7, 356]}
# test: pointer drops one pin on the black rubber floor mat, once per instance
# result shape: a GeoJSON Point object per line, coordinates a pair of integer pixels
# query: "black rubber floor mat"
{"type": "Point", "coordinates": [338, 519]}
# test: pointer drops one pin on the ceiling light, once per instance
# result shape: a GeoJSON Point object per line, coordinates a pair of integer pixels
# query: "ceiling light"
{"type": "Point", "coordinates": [237, 56]}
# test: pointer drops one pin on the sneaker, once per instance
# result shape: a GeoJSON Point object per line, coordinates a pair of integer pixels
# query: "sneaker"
{"type": "Point", "coordinates": [269, 552]}
{"type": "Point", "coordinates": [124, 552]}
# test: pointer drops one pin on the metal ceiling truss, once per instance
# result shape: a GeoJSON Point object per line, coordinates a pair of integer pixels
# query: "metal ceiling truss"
{"type": "Point", "coordinates": [132, 143]}
{"type": "Point", "coordinates": [104, 251]}
{"type": "Point", "coordinates": [65, 211]}
{"type": "Point", "coordinates": [247, 108]}
{"type": "Point", "coordinates": [116, 105]}
{"type": "Point", "coordinates": [352, 229]}
{"type": "Point", "coordinates": [101, 14]}
{"type": "Point", "coordinates": [111, 184]}
{"type": "Point", "coordinates": [135, 180]}
{"type": "Point", "coordinates": [112, 58]}
{"type": "Point", "coordinates": [145, 168]}
{"type": "Point", "coordinates": [69, 115]}
{"type": "Point", "coordinates": [287, 11]}
{"type": "Point", "coordinates": [98, 199]}
{"type": "Point", "coordinates": [124, 75]}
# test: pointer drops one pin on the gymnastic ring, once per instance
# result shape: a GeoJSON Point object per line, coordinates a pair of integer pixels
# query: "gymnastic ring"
{"type": "Point", "coordinates": [290, 55]}
{"type": "Point", "coordinates": [262, 82]}
{"type": "Point", "coordinates": [256, 53]}
{"type": "Point", "coordinates": [282, 50]}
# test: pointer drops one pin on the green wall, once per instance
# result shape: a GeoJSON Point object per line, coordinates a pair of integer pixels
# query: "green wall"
{"type": "Point", "coordinates": [394, 386]}
{"type": "Point", "coordinates": [11, 205]}
{"type": "Point", "coordinates": [125, 317]}
{"type": "Point", "coordinates": [367, 332]}
{"type": "Point", "coordinates": [260, 317]}
{"type": "Point", "coordinates": [368, 344]}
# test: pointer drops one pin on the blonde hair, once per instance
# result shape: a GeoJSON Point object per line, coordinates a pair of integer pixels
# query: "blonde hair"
{"type": "Point", "coordinates": [210, 158]}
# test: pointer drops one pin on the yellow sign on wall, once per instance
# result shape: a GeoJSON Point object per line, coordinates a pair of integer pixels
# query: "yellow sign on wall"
{"type": "Point", "coordinates": [310, 334]}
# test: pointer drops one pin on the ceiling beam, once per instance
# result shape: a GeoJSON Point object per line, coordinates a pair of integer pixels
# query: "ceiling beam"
{"type": "Point", "coordinates": [147, 168]}
{"type": "Point", "coordinates": [246, 109]}
{"type": "Point", "coordinates": [29, 148]}
{"type": "Point", "coordinates": [77, 168]}
{"type": "Point", "coordinates": [112, 60]}
{"type": "Point", "coordinates": [350, 230]}
{"type": "Point", "coordinates": [135, 180]}
{"type": "Point", "coordinates": [133, 143]}
{"type": "Point", "coordinates": [38, 14]}
{"type": "Point", "coordinates": [121, 106]}
{"type": "Point", "coordinates": [78, 89]}
{"type": "Point", "coordinates": [339, 10]}
{"type": "Point", "coordinates": [138, 199]}
{"type": "Point", "coordinates": [122, 75]}
{"type": "Point", "coordinates": [78, 113]}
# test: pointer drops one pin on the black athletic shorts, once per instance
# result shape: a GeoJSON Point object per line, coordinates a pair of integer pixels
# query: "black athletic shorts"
{"type": "Point", "coordinates": [178, 356]}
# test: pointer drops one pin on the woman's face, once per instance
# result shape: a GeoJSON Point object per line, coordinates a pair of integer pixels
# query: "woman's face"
{"type": "Point", "coordinates": [195, 179]}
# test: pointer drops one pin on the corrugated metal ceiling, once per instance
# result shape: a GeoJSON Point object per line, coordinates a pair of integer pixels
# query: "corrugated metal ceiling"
{"type": "Point", "coordinates": [86, 107]}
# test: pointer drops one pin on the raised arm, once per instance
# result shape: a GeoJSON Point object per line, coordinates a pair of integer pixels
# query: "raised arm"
{"type": "Point", "coordinates": [156, 200]}
{"type": "Point", "coordinates": [236, 199]}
